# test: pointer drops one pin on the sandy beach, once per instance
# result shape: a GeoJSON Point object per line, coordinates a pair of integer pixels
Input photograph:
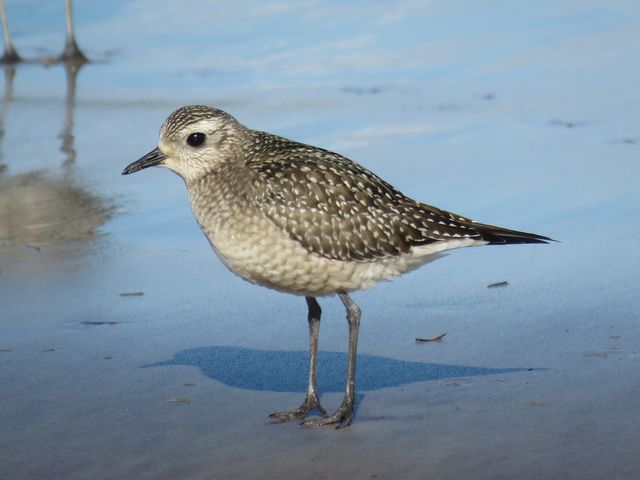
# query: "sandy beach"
{"type": "Point", "coordinates": [128, 351]}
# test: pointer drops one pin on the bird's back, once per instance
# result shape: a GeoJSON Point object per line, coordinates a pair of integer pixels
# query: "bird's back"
{"type": "Point", "coordinates": [340, 210]}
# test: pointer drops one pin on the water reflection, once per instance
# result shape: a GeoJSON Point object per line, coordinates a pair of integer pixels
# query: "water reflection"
{"type": "Point", "coordinates": [277, 371]}
{"type": "Point", "coordinates": [9, 75]}
{"type": "Point", "coordinates": [37, 210]}
{"type": "Point", "coordinates": [71, 69]}
{"type": "Point", "coordinates": [43, 207]}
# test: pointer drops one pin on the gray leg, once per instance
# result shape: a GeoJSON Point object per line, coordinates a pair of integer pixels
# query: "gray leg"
{"type": "Point", "coordinates": [343, 415]}
{"type": "Point", "coordinates": [71, 52]}
{"type": "Point", "coordinates": [10, 55]}
{"type": "Point", "coordinates": [311, 401]}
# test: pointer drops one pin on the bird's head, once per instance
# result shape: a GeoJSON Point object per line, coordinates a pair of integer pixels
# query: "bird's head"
{"type": "Point", "coordinates": [194, 140]}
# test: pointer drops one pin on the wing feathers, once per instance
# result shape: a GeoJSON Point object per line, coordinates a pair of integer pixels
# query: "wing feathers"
{"type": "Point", "coordinates": [340, 210]}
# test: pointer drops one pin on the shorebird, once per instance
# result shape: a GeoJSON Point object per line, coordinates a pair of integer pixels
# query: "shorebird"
{"type": "Point", "coordinates": [305, 221]}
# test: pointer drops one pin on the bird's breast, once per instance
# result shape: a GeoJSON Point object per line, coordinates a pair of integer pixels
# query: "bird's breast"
{"type": "Point", "coordinates": [257, 250]}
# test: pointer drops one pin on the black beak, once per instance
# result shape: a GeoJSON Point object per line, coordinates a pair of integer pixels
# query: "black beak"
{"type": "Point", "coordinates": [154, 157]}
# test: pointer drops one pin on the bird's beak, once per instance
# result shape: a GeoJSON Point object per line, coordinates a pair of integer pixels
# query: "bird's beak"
{"type": "Point", "coordinates": [153, 158]}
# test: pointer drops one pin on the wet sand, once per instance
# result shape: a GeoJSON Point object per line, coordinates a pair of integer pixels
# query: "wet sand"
{"type": "Point", "coordinates": [127, 350]}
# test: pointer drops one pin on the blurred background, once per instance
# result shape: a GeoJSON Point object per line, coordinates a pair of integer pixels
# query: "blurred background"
{"type": "Point", "coordinates": [128, 351]}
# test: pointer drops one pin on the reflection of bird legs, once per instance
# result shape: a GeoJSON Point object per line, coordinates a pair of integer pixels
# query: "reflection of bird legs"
{"type": "Point", "coordinates": [9, 74]}
{"type": "Point", "coordinates": [10, 55]}
{"type": "Point", "coordinates": [71, 52]}
{"type": "Point", "coordinates": [66, 135]}
{"type": "Point", "coordinates": [73, 58]}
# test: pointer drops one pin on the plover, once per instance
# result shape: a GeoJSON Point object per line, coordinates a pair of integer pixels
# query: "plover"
{"type": "Point", "coordinates": [306, 221]}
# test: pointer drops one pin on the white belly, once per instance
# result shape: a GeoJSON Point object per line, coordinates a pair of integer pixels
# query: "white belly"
{"type": "Point", "coordinates": [258, 251]}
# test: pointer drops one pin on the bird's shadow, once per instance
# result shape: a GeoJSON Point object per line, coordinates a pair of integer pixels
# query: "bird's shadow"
{"type": "Point", "coordinates": [278, 371]}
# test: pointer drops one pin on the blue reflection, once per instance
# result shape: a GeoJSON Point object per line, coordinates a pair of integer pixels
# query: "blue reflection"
{"type": "Point", "coordinates": [278, 371]}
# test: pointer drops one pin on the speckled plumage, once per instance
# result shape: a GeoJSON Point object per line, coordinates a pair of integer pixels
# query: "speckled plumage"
{"type": "Point", "coordinates": [304, 220]}
{"type": "Point", "coordinates": [308, 221]}
{"type": "Point", "coordinates": [340, 210]}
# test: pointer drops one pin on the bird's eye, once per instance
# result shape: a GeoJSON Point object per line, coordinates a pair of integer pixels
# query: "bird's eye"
{"type": "Point", "coordinates": [196, 139]}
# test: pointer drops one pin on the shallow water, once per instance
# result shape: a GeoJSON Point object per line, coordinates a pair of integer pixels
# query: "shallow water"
{"type": "Point", "coordinates": [522, 116]}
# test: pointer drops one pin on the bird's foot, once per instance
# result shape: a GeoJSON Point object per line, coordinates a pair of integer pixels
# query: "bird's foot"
{"type": "Point", "coordinates": [341, 418]}
{"type": "Point", "coordinates": [311, 402]}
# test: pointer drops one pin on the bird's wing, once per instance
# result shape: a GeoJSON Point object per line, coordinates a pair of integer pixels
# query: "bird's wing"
{"type": "Point", "coordinates": [338, 209]}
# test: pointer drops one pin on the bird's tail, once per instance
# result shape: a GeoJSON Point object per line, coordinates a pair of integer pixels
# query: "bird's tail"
{"type": "Point", "coordinates": [503, 236]}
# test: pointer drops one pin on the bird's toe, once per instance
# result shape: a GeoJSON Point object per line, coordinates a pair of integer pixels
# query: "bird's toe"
{"type": "Point", "coordinates": [311, 402]}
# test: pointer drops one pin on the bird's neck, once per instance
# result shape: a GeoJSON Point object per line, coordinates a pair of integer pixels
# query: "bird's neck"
{"type": "Point", "coordinates": [219, 194]}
